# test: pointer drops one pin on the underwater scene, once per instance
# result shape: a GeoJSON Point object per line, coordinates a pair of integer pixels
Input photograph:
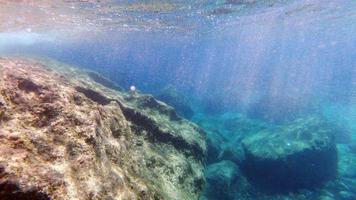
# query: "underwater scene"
{"type": "Point", "coordinates": [177, 100]}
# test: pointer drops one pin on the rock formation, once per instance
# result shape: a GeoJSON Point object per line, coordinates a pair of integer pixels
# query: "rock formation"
{"type": "Point", "coordinates": [299, 155]}
{"type": "Point", "coordinates": [64, 135]}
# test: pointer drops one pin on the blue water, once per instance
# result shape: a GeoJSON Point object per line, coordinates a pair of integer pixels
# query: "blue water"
{"type": "Point", "coordinates": [269, 62]}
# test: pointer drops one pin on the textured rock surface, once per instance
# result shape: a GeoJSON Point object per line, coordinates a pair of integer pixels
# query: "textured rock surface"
{"type": "Point", "coordinates": [225, 181]}
{"type": "Point", "coordinates": [225, 133]}
{"type": "Point", "coordinates": [221, 178]}
{"type": "Point", "coordinates": [170, 95]}
{"type": "Point", "coordinates": [65, 136]}
{"type": "Point", "coordinates": [301, 154]}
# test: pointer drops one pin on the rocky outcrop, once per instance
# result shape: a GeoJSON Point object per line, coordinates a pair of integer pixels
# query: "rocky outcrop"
{"type": "Point", "coordinates": [66, 136]}
{"type": "Point", "coordinates": [299, 155]}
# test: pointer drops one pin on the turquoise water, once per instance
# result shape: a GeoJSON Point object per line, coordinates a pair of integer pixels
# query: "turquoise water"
{"type": "Point", "coordinates": [246, 71]}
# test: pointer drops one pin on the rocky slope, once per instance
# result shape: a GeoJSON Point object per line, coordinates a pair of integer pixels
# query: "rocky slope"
{"type": "Point", "coordinates": [64, 135]}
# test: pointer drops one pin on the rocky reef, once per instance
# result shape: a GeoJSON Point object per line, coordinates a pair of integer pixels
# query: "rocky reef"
{"type": "Point", "coordinates": [67, 134]}
{"type": "Point", "coordinates": [303, 159]}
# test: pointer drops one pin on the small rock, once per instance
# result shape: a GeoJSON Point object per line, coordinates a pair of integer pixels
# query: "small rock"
{"type": "Point", "coordinates": [225, 182]}
{"type": "Point", "coordinates": [223, 172]}
{"type": "Point", "coordinates": [220, 177]}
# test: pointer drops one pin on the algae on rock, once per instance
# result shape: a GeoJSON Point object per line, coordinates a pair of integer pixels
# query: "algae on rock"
{"type": "Point", "coordinates": [303, 150]}
{"type": "Point", "coordinates": [66, 137]}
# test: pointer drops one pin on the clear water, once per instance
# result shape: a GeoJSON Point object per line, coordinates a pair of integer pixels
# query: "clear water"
{"type": "Point", "coordinates": [233, 64]}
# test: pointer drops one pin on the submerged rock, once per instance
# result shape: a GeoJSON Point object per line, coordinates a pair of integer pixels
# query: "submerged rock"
{"type": "Point", "coordinates": [104, 81]}
{"type": "Point", "coordinates": [222, 173]}
{"type": "Point", "coordinates": [352, 147]}
{"type": "Point", "coordinates": [224, 135]}
{"type": "Point", "coordinates": [233, 152]}
{"type": "Point", "coordinates": [345, 195]}
{"type": "Point", "coordinates": [299, 155]}
{"type": "Point", "coordinates": [170, 95]}
{"type": "Point", "coordinates": [221, 177]}
{"type": "Point", "coordinates": [215, 137]}
{"type": "Point", "coordinates": [63, 136]}
{"type": "Point", "coordinates": [241, 127]}
{"type": "Point", "coordinates": [346, 164]}
{"type": "Point", "coordinates": [214, 145]}
{"type": "Point", "coordinates": [225, 181]}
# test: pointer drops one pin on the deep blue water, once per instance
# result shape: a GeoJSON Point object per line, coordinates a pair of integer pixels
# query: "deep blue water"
{"type": "Point", "coordinates": [273, 61]}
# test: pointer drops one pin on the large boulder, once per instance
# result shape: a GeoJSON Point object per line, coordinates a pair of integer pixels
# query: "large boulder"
{"type": "Point", "coordinates": [64, 136]}
{"type": "Point", "coordinates": [298, 155]}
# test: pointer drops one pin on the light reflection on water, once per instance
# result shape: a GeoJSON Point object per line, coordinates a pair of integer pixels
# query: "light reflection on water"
{"type": "Point", "coordinates": [237, 53]}
{"type": "Point", "coordinates": [183, 16]}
